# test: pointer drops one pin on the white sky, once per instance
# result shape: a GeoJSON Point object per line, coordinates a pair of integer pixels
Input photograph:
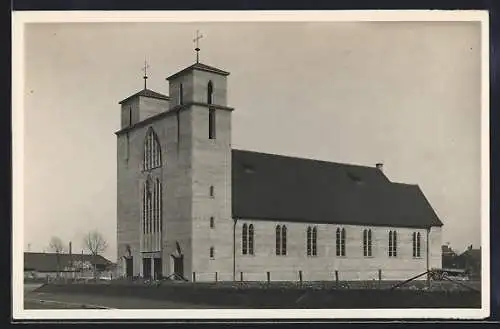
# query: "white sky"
{"type": "Point", "coordinates": [405, 94]}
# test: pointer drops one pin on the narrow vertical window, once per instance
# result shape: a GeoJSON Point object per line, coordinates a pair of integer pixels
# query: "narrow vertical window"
{"type": "Point", "coordinates": [130, 116]}
{"type": "Point", "coordinates": [283, 240]}
{"type": "Point", "coordinates": [154, 208]}
{"type": "Point", "coordinates": [369, 243]}
{"type": "Point", "coordinates": [181, 94]}
{"type": "Point", "coordinates": [212, 252]}
{"type": "Point", "coordinates": [212, 224]}
{"type": "Point", "coordinates": [211, 124]}
{"type": "Point", "coordinates": [390, 243]}
{"type": "Point", "coordinates": [210, 91]}
{"type": "Point", "coordinates": [150, 211]}
{"type": "Point", "coordinates": [309, 238]}
{"type": "Point", "coordinates": [146, 206]}
{"type": "Point", "coordinates": [342, 243]}
{"type": "Point", "coordinates": [314, 241]}
{"type": "Point", "coordinates": [278, 240]}
{"type": "Point", "coordinates": [394, 244]}
{"type": "Point", "coordinates": [144, 203]}
{"type": "Point", "coordinates": [211, 191]}
{"type": "Point", "coordinates": [160, 200]}
{"type": "Point", "coordinates": [244, 239]}
{"type": "Point", "coordinates": [418, 244]}
{"type": "Point", "coordinates": [414, 244]}
{"type": "Point", "coordinates": [152, 151]}
{"type": "Point", "coordinates": [250, 239]}
{"type": "Point", "coordinates": [365, 243]}
{"type": "Point", "coordinates": [337, 242]}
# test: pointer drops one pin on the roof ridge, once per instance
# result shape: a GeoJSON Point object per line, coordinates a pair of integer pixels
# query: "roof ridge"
{"type": "Point", "coordinates": [306, 159]}
{"type": "Point", "coordinates": [199, 66]}
{"type": "Point", "coordinates": [146, 92]}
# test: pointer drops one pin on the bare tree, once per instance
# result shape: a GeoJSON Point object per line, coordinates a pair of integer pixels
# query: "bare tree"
{"type": "Point", "coordinates": [56, 245]}
{"type": "Point", "coordinates": [95, 243]}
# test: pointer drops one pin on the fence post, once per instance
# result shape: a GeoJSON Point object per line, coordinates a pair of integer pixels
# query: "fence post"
{"type": "Point", "coordinates": [336, 278]}
{"type": "Point", "coordinates": [194, 276]}
{"type": "Point", "coordinates": [268, 277]}
{"type": "Point", "coordinates": [300, 277]}
{"type": "Point", "coordinates": [241, 276]}
{"type": "Point", "coordinates": [216, 279]}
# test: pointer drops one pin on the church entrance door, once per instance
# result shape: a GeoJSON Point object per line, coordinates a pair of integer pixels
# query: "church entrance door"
{"type": "Point", "coordinates": [157, 268]}
{"type": "Point", "coordinates": [179, 266]}
{"type": "Point", "coordinates": [146, 268]}
{"type": "Point", "coordinates": [129, 267]}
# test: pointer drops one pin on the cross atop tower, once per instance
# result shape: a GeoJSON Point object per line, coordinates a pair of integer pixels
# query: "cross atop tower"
{"type": "Point", "coordinates": [197, 39]}
{"type": "Point", "coordinates": [145, 70]}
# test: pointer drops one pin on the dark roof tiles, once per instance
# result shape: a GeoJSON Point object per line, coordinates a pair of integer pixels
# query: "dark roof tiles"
{"type": "Point", "coordinates": [48, 262]}
{"type": "Point", "coordinates": [146, 93]}
{"type": "Point", "coordinates": [201, 67]}
{"type": "Point", "coordinates": [273, 187]}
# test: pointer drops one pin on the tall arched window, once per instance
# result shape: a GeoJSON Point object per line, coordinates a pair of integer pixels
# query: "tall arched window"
{"type": "Point", "coordinates": [314, 241]}
{"type": "Point", "coordinates": [309, 241]}
{"type": "Point", "coordinates": [149, 199]}
{"type": "Point", "coordinates": [367, 243]}
{"type": "Point", "coordinates": [342, 243]}
{"type": "Point", "coordinates": [337, 242]}
{"type": "Point", "coordinates": [250, 239]}
{"type": "Point", "coordinates": [158, 200]}
{"type": "Point", "coordinates": [151, 206]}
{"type": "Point", "coordinates": [283, 240]}
{"type": "Point", "coordinates": [278, 240]}
{"type": "Point", "coordinates": [390, 243]}
{"type": "Point", "coordinates": [244, 239]}
{"type": "Point", "coordinates": [416, 244]}
{"type": "Point", "coordinates": [393, 243]}
{"type": "Point", "coordinates": [144, 207]}
{"type": "Point", "coordinates": [152, 151]}
{"type": "Point", "coordinates": [210, 91]}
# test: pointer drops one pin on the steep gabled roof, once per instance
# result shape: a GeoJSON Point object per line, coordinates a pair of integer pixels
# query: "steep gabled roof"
{"type": "Point", "coordinates": [273, 187]}
{"type": "Point", "coordinates": [48, 262]}
{"type": "Point", "coordinates": [201, 67]}
{"type": "Point", "coordinates": [146, 93]}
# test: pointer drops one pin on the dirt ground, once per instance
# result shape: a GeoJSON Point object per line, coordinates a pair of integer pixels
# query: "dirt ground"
{"type": "Point", "coordinates": [44, 300]}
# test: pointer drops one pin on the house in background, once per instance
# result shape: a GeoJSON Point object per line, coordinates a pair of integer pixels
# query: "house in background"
{"type": "Point", "coordinates": [470, 261]}
{"type": "Point", "coordinates": [449, 257]}
{"type": "Point", "coordinates": [40, 265]}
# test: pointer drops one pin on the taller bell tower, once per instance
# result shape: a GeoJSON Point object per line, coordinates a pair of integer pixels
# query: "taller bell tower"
{"type": "Point", "coordinates": [203, 201]}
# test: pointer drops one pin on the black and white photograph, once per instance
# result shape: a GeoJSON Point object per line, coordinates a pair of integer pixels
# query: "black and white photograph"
{"type": "Point", "coordinates": [269, 165]}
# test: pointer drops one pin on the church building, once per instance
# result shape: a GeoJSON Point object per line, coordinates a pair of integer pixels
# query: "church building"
{"type": "Point", "coordinates": [191, 207]}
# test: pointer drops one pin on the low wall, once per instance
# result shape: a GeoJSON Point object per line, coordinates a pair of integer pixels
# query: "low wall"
{"type": "Point", "coordinates": [260, 295]}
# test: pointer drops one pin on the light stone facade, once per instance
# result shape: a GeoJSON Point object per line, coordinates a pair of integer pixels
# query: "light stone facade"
{"type": "Point", "coordinates": [191, 165]}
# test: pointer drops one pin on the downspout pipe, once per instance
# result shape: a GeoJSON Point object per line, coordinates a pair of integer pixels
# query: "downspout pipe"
{"type": "Point", "coordinates": [235, 220]}
{"type": "Point", "coordinates": [427, 256]}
